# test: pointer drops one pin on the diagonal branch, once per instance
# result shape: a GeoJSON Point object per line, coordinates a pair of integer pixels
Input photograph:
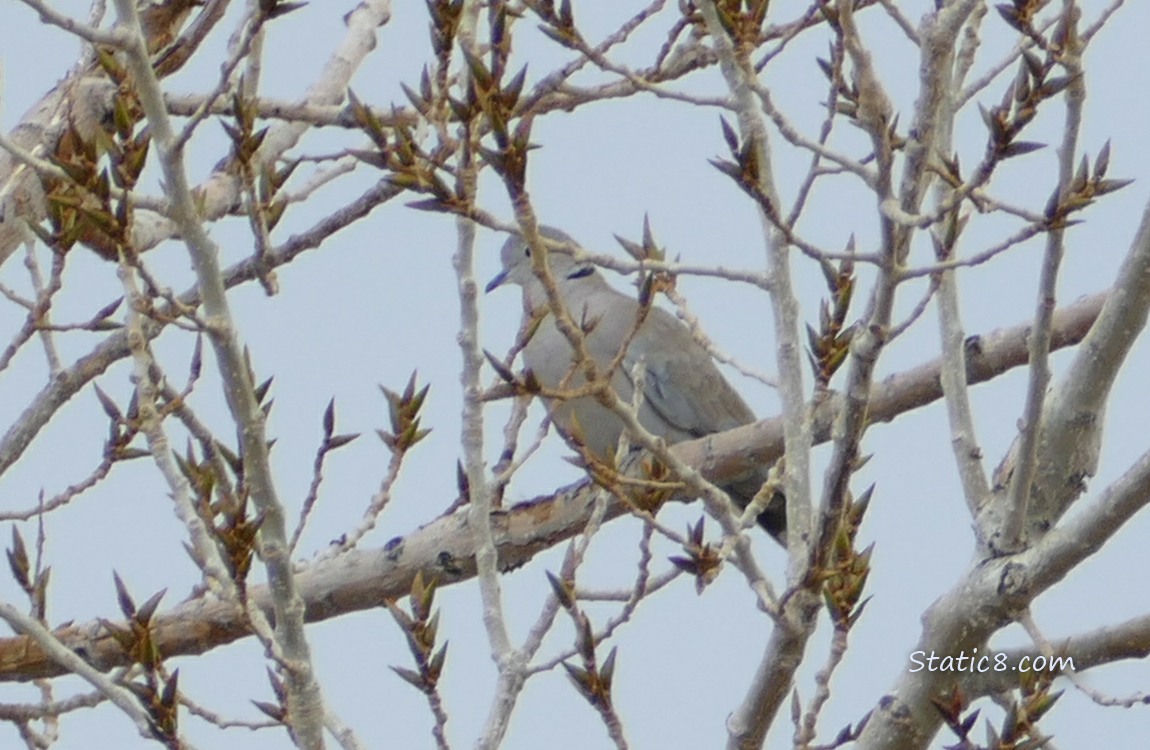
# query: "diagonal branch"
{"type": "Point", "coordinates": [444, 548]}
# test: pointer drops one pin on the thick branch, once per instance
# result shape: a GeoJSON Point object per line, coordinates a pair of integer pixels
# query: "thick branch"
{"type": "Point", "coordinates": [1095, 648]}
{"type": "Point", "coordinates": [444, 548]}
{"type": "Point", "coordinates": [989, 597]}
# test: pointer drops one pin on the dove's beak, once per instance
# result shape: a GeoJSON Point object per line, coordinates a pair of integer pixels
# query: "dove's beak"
{"type": "Point", "coordinates": [496, 281]}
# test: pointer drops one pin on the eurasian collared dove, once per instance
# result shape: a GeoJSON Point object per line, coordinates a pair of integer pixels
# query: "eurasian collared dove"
{"type": "Point", "coordinates": [684, 395]}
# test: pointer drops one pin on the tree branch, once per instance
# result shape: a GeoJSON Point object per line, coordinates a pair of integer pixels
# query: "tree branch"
{"type": "Point", "coordinates": [444, 549]}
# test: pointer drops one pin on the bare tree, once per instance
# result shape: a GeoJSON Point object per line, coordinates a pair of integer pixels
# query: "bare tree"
{"type": "Point", "coordinates": [101, 168]}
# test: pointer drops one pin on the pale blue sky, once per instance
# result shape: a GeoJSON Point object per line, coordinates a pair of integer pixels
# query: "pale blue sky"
{"type": "Point", "coordinates": [378, 301]}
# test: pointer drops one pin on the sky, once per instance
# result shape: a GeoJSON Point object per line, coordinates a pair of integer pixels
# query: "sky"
{"type": "Point", "coordinates": [378, 302]}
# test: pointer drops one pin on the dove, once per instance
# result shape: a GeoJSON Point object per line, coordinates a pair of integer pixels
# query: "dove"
{"type": "Point", "coordinates": [684, 395]}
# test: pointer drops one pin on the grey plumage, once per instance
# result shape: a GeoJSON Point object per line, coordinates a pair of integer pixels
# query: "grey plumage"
{"type": "Point", "coordinates": [684, 394]}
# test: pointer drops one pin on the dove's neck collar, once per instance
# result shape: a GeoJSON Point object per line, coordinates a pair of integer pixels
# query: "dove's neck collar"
{"type": "Point", "coordinates": [581, 278]}
{"type": "Point", "coordinates": [581, 272]}
{"type": "Point", "coordinates": [574, 282]}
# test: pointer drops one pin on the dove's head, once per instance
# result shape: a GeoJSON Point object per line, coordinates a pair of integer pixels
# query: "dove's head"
{"type": "Point", "coordinates": [515, 258]}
